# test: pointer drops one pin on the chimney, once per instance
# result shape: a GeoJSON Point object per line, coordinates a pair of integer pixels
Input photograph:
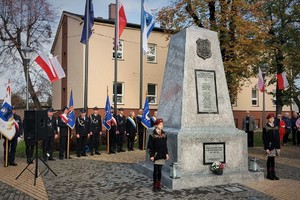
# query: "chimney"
{"type": "Point", "coordinates": [112, 11]}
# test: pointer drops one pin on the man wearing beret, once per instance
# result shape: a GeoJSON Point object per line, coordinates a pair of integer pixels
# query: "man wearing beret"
{"type": "Point", "coordinates": [82, 132]}
{"type": "Point", "coordinates": [121, 121]}
{"type": "Point", "coordinates": [95, 131]}
{"type": "Point", "coordinates": [63, 132]}
{"type": "Point", "coordinates": [12, 144]}
{"type": "Point", "coordinates": [48, 143]}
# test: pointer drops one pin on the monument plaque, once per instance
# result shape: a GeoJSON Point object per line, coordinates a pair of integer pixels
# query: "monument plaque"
{"type": "Point", "coordinates": [213, 152]}
{"type": "Point", "coordinates": [206, 91]}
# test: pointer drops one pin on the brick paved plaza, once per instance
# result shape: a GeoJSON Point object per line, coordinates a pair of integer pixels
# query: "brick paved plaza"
{"type": "Point", "coordinates": [113, 177]}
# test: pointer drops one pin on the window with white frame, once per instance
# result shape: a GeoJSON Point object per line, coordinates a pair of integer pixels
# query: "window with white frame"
{"type": "Point", "coordinates": [254, 96]}
{"type": "Point", "coordinates": [120, 93]}
{"type": "Point", "coordinates": [120, 50]}
{"type": "Point", "coordinates": [151, 53]}
{"type": "Point", "coordinates": [152, 88]}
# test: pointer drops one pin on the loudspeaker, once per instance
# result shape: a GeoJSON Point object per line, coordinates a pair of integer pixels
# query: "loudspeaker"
{"type": "Point", "coordinates": [35, 125]}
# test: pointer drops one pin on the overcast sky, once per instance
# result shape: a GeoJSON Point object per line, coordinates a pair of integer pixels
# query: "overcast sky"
{"type": "Point", "coordinates": [132, 10]}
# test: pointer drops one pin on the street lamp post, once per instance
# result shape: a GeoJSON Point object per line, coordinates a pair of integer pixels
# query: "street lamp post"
{"type": "Point", "coordinates": [264, 68]}
{"type": "Point", "coordinates": [27, 57]}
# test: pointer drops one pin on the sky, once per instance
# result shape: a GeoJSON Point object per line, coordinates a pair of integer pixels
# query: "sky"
{"type": "Point", "coordinates": [132, 10]}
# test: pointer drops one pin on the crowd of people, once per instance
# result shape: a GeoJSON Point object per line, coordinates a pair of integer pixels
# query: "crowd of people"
{"type": "Point", "coordinates": [88, 131]}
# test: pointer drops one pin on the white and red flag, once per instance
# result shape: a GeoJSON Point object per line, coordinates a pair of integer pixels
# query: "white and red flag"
{"type": "Point", "coordinates": [261, 83]}
{"type": "Point", "coordinates": [282, 81]}
{"type": "Point", "coordinates": [51, 67]}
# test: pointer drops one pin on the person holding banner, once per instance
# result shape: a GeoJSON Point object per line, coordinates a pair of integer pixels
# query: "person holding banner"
{"type": "Point", "coordinates": [48, 143]}
{"type": "Point", "coordinates": [131, 130]}
{"type": "Point", "coordinates": [12, 144]}
{"type": "Point", "coordinates": [140, 128]}
{"type": "Point", "coordinates": [112, 132]}
{"type": "Point", "coordinates": [95, 131]}
{"type": "Point", "coordinates": [82, 126]}
{"type": "Point", "coordinates": [62, 123]}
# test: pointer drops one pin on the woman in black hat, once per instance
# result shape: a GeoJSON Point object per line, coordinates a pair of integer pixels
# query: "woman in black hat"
{"type": "Point", "coordinates": [271, 145]}
{"type": "Point", "coordinates": [158, 150]}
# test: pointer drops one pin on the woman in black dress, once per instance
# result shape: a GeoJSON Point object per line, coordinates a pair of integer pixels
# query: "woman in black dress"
{"type": "Point", "coordinates": [158, 150]}
{"type": "Point", "coordinates": [271, 145]}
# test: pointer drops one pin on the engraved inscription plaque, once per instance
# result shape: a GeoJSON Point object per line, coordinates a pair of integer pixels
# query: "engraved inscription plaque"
{"type": "Point", "coordinates": [206, 92]}
{"type": "Point", "coordinates": [213, 152]}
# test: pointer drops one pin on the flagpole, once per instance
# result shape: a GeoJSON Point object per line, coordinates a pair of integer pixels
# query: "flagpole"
{"type": "Point", "coordinates": [68, 144]}
{"type": "Point", "coordinates": [141, 55]}
{"type": "Point", "coordinates": [116, 54]}
{"type": "Point", "coordinates": [107, 133]}
{"type": "Point", "coordinates": [86, 53]}
{"type": "Point", "coordinates": [6, 153]}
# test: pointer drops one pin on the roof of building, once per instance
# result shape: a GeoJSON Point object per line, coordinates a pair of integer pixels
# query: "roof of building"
{"type": "Point", "coordinates": [96, 20]}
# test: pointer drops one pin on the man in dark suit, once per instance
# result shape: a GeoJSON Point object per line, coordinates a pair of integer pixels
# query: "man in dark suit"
{"type": "Point", "coordinates": [121, 121]}
{"type": "Point", "coordinates": [82, 126]}
{"type": "Point", "coordinates": [95, 131]}
{"type": "Point", "coordinates": [112, 132]}
{"type": "Point", "coordinates": [12, 144]}
{"type": "Point", "coordinates": [141, 128]}
{"type": "Point", "coordinates": [48, 143]}
{"type": "Point", "coordinates": [63, 132]}
{"type": "Point", "coordinates": [131, 130]}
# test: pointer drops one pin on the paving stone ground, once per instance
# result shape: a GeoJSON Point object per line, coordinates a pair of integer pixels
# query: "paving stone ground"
{"type": "Point", "coordinates": [113, 177]}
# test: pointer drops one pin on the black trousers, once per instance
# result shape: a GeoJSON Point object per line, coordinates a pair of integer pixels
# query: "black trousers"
{"type": "Point", "coordinates": [112, 141]}
{"type": "Point", "coordinates": [12, 147]}
{"type": "Point", "coordinates": [130, 142]}
{"type": "Point", "coordinates": [271, 164]}
{"type": "Point", "coordinates": [94, 142]}
{"type": "Point", "coordinates": [298, 137]}
{"type": "Point", "coordinates": [48, 147]}
{"type": "Point", "coordinates": [141, 140]}
{"type": "Point", "coordinates": [157, 173]}
{"type": "Point", "coordinates": [286, 136]}
{"type": "Point", "coordinates": [250, 135]}
{"type": "Point", "coordinates": [294, 134]}
{"type": "Point", "coordinates": [81, 144]}
{"type": "Point", "coordinates": [63, 146]}
{"type": "Point", "coordinates": [120, 141]}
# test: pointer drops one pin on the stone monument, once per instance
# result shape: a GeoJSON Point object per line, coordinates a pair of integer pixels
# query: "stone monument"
{"type": "Point", "coordinates": [196, 109]}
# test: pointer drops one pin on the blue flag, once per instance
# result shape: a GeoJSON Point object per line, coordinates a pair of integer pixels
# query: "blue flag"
{"type": "Point", "coordinates": [148, 23]}
{"type": "Point", "coordinates": [107, 115]}
{"type": "Point", "coordinates": [71, 115]}
{"type": "Point", "coordinates": [146, 115]}
{"type": "Point", "coordinates": [87, 22]}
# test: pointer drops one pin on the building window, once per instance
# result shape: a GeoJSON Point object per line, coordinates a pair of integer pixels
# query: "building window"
{"type": "Point", "coordinates": [151, 53]}
{"type": "Point", "coordinates": [120, 50]}
{"type": "Point", "coordinates": [120, 93]}
{"type": "Point", "coordinates": [254, 97]}
{"type": "Point", "coordinates": [152, 88]}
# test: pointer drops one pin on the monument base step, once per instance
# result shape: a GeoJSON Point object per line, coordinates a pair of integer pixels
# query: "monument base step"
{"type": "Point", "coordinates": [200, 180]}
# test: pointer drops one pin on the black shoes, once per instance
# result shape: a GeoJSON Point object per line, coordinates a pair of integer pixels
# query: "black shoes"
{"type": "Point", "coordinates": [98, 153]}
{"type": "Point", "coordinates": [12, 164]}
{"type": "Point", "coordinates": [52, 159]}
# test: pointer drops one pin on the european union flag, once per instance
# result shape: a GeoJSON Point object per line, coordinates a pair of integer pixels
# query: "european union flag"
{"type": "Point", "coordinates": [71, 115]}
{"type": "Point", "coordinates": [87, 22]}
{"type": "Point", "coordinates": [107, 115]}
{"type": "Point", "coordinates": [146, 115]}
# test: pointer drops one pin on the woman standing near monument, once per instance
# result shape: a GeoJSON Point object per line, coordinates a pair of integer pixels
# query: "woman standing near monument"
{"type": "Point", "coordinates": [158, 150]}
{"type": "Point", "coordinates": [271, 145]}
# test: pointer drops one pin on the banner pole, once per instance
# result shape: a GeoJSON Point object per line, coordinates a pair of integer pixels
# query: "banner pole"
{"type": "Point", "coordinates": [68, 144]}
{"type": "Point", "coordinates": [107, 141]}
{"type": "Point", "coordinates": [144, 137]}
{"type": "Point", "coordinates": [6, 153]}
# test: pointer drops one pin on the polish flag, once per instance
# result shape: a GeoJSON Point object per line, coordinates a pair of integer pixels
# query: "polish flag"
{"type": "Point", "coordinates": [51, 66]}
{"type": "Point", "coordinates": [282, 81]}
{"type": "Point", "coordinates": [260, 84]}
{"type": "Point", "coordinates": [122, 18]}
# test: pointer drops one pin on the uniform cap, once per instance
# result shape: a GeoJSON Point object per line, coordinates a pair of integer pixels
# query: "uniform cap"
{"type": "Point", "coordinates": [95, 108]}
{"type": "Point", "coordinates": [121, 109]}
{"type": "Point", "coordinates": [50, 110]}
{"type": "Point", "coordinates": [82, 110]}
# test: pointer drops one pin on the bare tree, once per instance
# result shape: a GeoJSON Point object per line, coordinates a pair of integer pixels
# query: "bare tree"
{"type": "Point", "coordinates": [25, 23]}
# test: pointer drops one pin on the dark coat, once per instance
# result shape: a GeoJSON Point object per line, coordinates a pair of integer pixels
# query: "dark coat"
{"type": "Point", "coordinates": [139, 123]}
{"type": "Point", "coordinates": [96, 123]}
{"type": "Point", "coordinates": [271, 137]}
{"type": "Point", "coordinates": [113, 128]}
{"type": "Point", "coordinates": [130, 129]}
{"type": "Point", "coordinates": [19, 131]}
{"type": "Point", "coordinates": [121, 120]}
{"type": "Point", "coordinates": [63, 127]}
{"type": "Point", "coordinates": [51, 126]}
{"type": "Point", "coordinates": [82, 126]}
{"type": "Point", "coordinates": [157, 145]}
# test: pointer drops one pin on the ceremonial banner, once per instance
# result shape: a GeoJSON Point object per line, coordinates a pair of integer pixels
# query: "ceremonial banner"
{"type": "Point", "coordinates": [107, 115]}
{"type": "Point", "coordinates": [146, 115]}
{"type": "Point", "coordinates": [71, 115]}
{"type": "Point", "coordinates": [260, 84]}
